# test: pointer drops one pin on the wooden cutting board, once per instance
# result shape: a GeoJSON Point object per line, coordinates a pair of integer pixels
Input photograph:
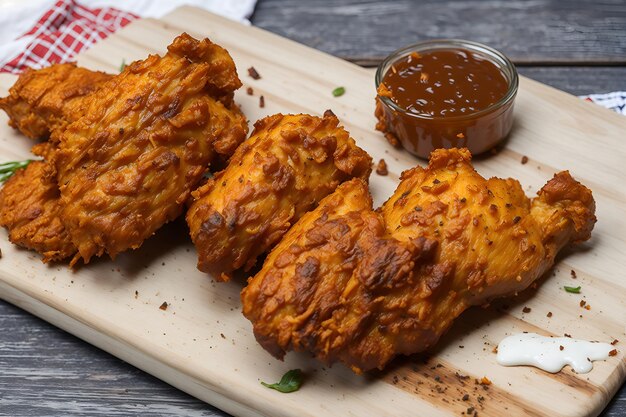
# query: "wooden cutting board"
{"type": "Point", "coordinates": [204, 346]}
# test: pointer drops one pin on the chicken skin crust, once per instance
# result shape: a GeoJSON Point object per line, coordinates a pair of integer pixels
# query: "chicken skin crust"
{"type": "Point", "coordinates": [286, 167]}
{"type": "Point", "coordinates": [30, 210]}
{"type": "Point", "coordinates": [43, 100]}
{"type": "Point", "coordinates": [144, 143]}
{"type": "Point", "coordinates": [40, 104]}
{"type": "Point", "coordinates": [359, 286]}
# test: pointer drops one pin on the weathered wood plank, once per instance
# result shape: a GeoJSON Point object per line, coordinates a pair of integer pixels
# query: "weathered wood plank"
{"type": "Point", "coordinates": [528, 31]}
{"type": "Point", "coordinates": [45, 371]}
{"type": "Point", "coordinates": [579, 80]}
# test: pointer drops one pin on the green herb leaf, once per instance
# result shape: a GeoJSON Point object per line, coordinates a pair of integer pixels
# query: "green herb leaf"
{"type": "Point", "coordinates": [123, 65]}
{"type": "Point", "coordinates": [574, 290]}
{"type": "Point", "coordinates": [290, 382]}
{"type": "Point", "coordinates": [8, 168]}
{"type": "Point", "coordinates": [339, 91]}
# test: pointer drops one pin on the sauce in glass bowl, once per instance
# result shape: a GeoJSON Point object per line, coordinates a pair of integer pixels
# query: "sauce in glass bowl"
{"type": "Point", "coordinates": [444, 94]}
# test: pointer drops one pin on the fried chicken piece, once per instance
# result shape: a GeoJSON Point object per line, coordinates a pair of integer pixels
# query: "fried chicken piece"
{"type": "Point", "coordinates": [40, 104]}
{"type": "Point", "coordinates": [29, 209]}
{"type": "Point", "coordinates": [287, 166]}
{"type": "Point", "coordinates": [357, 286]}
{"type": "Point", "coordinates": [47, 99]}
{"type": "Point", "coordinates": [144, 143]}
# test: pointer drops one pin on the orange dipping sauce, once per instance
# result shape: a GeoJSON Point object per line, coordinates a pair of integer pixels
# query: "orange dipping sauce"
{"type": "Point", "coordinates": [450, 96]}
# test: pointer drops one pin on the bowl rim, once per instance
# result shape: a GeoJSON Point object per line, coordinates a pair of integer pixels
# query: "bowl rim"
{"type": "Point", "coordinates": [492, 54]}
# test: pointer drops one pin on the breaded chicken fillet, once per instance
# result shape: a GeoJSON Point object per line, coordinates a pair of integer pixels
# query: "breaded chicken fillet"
{"type": "Point", "coordinates": [30, 210]}
{"type": "Point", "coordinates": [286, 167]}
{"type": "Point", "coordinates": [43, 100]}
{"type": "Point", "coordinates": [146, 138]}
{"type": "Point", "coordinates": [359, 286]}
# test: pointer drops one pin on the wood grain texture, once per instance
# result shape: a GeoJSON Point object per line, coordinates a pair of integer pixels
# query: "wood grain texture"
{"type": "Point", "coordinates": [47, 372]}
{"type": "Point", "coordinates": [581, 80]}
{"type": "Point", "coordinates": [112, 57]}
{"type": "Point", "coordinates": [528, 31]}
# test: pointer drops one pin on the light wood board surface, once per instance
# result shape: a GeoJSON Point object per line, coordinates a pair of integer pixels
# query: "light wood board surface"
{"type": "Point", "coordinates": [204, 346]}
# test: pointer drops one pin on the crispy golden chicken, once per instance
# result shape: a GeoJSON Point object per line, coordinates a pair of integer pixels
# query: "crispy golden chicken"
{"type": "Point", "coordinates": [359, 286]}
{"type": "Point", "coordinates": [40, 104]}
{"type": "Point", "coordinates": [144, 142]}
{"type": "Point", "coordinates": [43, 100]}
{"type": "Point", "coordinates": [286, 167]}
{"type": "Point", "coordinates": [30, 209]}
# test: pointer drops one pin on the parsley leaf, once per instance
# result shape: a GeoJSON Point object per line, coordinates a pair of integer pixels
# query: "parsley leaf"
{"type": "Point", "coordinates": [573, 290]}
{"type": "Point", "coordinates": [8, 168]}
{"type": "Point", "coordinates": [290, 382]}
{"type": "Point", "coordinates": [339, 91]}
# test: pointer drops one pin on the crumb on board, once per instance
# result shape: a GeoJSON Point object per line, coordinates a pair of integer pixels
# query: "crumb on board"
{"type": "Point", "coordinates": [549, 314]}
{"type": "Point", "coordinates": [613, 352]}
{"type": "Point", "coordinates": [524, 160]}
{"type": "Point", "coordinates": [526, 310]}
{"type": "Point", "coordinates": [614, 342]}
{"type": "Point", "coordinates": [136, 293]}
{"type": "Point", "coordinates": [249, 91]}
{"type": "Point", "coordinates": [164, 306]}
{"type": "Point", "coordinates": [381, 168]}
{"type": "Point", "coordinates": [573, 274]}
{"type": "Point", "coordinates": [252, 72]}
{"type": "Point", "coordinates": [261, 101]}
{"type": "Point", "coordinates": [485, 381]}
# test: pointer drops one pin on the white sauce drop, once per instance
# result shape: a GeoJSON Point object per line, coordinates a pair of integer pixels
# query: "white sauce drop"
{"type": "Point", "coordinates": [545, 352]}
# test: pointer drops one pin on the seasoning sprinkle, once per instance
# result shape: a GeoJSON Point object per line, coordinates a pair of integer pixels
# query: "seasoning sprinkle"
{"type": "Point", "coordinates": [339, 91]}
{"type": "Point", "coordinates": [381, 168]}
{"type": "Point", "coordinates": [573, 290]}
{"type": "Point", "coordinates": [252, 72]}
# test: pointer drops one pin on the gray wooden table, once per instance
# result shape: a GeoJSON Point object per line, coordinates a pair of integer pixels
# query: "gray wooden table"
{"type": "Point", "coordinates": [577, 46]}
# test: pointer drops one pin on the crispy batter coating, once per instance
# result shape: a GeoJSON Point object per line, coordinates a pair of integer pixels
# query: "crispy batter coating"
{"type": "Point", "coordinates": [353, 285]}
{"type": "Point", "coordinates": [46, 99]}
{"type": "Point", "coordinates": [287, 166]}
{"type": "Point", "coordinates": [146, 139]}
{"type": "Point", "coordinates": [40, 104]}
{"type": "Point", "coordinates": [29, 209]}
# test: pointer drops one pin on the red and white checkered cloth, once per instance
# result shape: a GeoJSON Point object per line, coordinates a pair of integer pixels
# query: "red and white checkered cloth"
{"type": "Point", "coordinates": [37, 33]}
{"type": "Point", "coordinates": [64, 31]}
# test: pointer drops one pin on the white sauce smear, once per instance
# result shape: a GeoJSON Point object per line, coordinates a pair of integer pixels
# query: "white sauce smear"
{"type": "Point", "coordinates": [546, 353]}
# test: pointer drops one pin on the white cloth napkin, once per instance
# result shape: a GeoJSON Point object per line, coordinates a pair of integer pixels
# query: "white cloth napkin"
{"type": "Point", "coordinates": [19, 16]}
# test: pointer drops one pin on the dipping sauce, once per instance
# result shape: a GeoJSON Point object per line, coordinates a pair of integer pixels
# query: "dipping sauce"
{"type": "Point", "coordinates": [552, 353]}
{"type": "Point", "coordinates": [444, 83]}
{"type": "Point", "coordinates": [443, 94]}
